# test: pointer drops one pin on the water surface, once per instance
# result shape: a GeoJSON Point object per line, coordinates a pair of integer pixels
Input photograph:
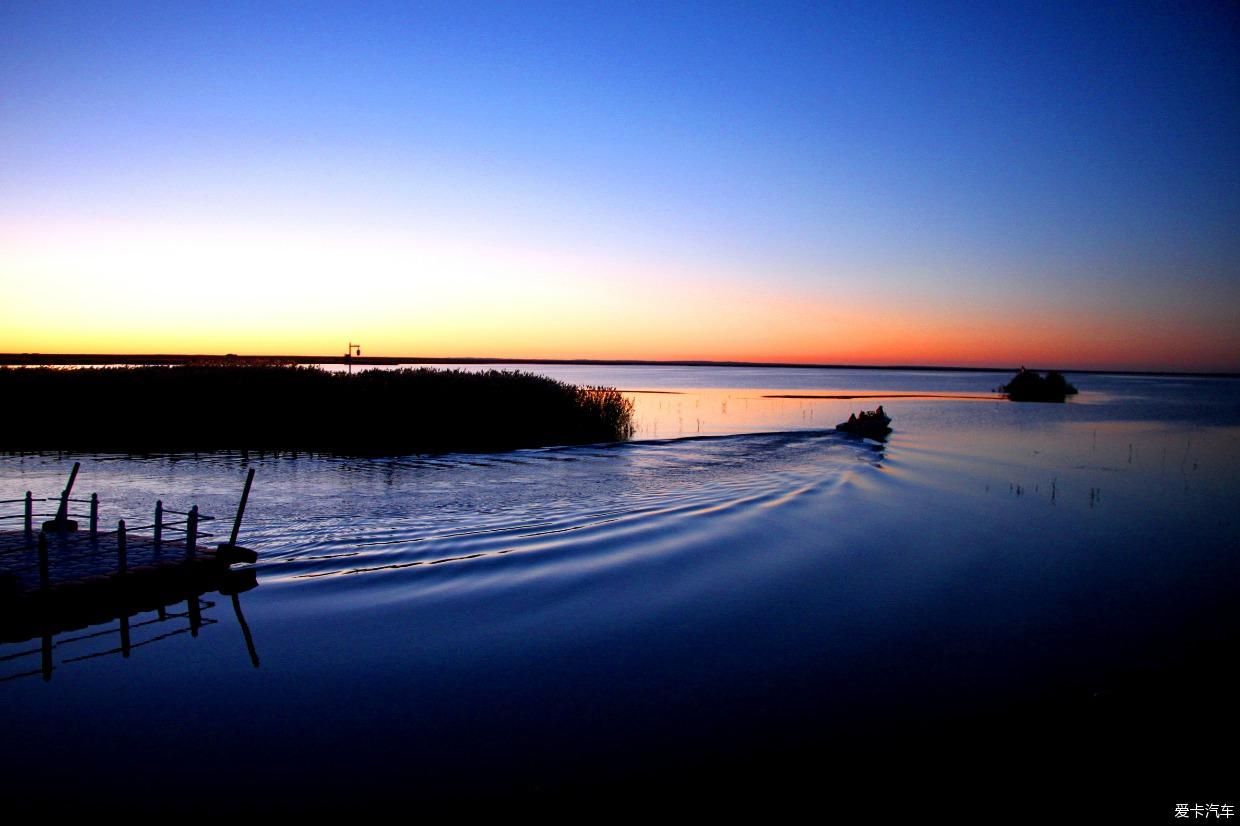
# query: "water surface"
{"type": "Point", "coordinates": [738, 593]}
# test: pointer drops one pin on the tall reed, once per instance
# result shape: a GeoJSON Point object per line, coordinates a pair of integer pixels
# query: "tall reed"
{"type": "Point", "coordinates": [374, 412]}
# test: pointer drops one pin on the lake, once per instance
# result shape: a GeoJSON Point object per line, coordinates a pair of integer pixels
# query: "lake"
{"type": "Point", "coordinates": [1027, 603]}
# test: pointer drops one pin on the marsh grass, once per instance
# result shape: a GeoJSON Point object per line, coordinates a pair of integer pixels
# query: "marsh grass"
{"type": "Point", "coordinates": [374, 412]}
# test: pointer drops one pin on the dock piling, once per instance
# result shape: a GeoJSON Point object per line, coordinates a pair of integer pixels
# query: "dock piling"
{"type": "Point", "coordinates": [191, 533]}
{"type": "Point", "coordinates": [159, 523]}
{"type": "Point", "coordinates": [230, 550]}
{"type": "Point", "coordinates": [245, 496]}
{"type": "Point", "coordinates": [29, 513]}
{"type": "Point", "coordinates": [62, 523]}
{"type": "Point", "coordinates": [62, 515]}
{"type": "Point", "coordinates": [94, 515]}
{"type": "Point", "coordinates": [122, 557]}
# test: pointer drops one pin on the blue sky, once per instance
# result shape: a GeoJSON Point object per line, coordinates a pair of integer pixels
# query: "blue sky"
{"type": "Point", "coordinates": [939, 164]}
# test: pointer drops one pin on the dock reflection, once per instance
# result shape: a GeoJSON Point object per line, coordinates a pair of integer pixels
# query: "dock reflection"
{"type": "Point", "coordinates": [63, 642]}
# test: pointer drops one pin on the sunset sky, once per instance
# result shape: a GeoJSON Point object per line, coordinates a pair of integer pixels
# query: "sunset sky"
{"type": "Point", "coordinates": [957, 184]}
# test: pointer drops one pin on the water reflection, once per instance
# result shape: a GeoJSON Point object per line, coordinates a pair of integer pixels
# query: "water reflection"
{"type": "Point", "coordinates": [723, 411]}
{"type": "Point", "coordinates": [64, 641]}
{"type": "Point", "coordinates": [1057, 578]}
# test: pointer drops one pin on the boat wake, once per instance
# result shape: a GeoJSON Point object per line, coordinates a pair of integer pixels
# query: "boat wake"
{"type": "Point", "coordinates": [516, 512]}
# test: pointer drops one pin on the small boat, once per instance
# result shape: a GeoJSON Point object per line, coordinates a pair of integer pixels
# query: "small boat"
{"type": "Point", "coordinates": [870, 424]}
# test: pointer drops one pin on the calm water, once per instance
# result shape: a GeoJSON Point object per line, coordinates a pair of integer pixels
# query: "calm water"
{"type": "Point", "coordinates": [1039, 595]}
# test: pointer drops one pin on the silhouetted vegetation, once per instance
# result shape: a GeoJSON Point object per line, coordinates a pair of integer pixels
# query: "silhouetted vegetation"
{"type": "Point", "coordinates": [1028, 386]}
{"type": "Point", "coordinates": [375, 412]}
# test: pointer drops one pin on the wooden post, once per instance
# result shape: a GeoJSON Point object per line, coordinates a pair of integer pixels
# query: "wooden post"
{"type": "Point", "coordinates": [63, 514]}
{"type": "Point", "coordinates": [191, 533]}
{"type": "Point", "coordinates": [122, 558]}
{"type": "Point", "coordinates": [245, 495]}
{"type": "Point", "coordinates": [44, 574]}
{"type": "Point", "coordinates": [159, 523]}
{"type": "Point", "coordinates": [29, 513]}
{"type": "Point", "coordinates": [94, 515]}
{"type": "Point", "coordinates": [229, 552]}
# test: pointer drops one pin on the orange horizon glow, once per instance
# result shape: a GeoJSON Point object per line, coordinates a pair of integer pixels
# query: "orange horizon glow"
{"type": "Point", "coordinates": [968, 351]}
{"type": "Point", "coordinates": [177, 290]}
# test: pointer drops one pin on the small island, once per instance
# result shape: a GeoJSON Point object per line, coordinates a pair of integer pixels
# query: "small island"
{"type": "Point", "coordinates": [138, 410]}
{"type": "Point", "coordinates": [1029, 386]}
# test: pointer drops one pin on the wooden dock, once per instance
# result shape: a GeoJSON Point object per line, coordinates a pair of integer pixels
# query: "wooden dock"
{"type": "Point", "coordinates": [59, 577]}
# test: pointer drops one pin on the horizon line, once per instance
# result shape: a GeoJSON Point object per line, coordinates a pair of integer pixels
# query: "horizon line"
{"type": "Point", "coordinates": [153, 359]}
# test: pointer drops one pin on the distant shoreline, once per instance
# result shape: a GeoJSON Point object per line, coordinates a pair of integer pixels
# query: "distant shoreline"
{"type": "Point", "coordinates": [53, 359]}
{"type": "Point", "coordinates": [977, 398]}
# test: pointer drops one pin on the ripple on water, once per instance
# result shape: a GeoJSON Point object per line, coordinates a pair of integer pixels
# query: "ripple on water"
{"type": "Point", "coordinates": [547, 507]}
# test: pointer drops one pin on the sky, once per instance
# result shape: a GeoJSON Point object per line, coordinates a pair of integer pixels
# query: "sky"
{"type": "Point", "coordinates": [875, 183]}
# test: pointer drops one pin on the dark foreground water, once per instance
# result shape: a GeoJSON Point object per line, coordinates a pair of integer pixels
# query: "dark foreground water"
{"type": "Point", "coordinates": [1032, 606]}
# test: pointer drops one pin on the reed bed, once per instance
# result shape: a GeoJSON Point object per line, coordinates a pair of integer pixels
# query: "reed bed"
{"type": "Point", "coordinates": [373, 412]}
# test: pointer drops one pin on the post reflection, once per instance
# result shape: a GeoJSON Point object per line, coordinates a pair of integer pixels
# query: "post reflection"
{"type": "Point", "coordinates": [66, 640]}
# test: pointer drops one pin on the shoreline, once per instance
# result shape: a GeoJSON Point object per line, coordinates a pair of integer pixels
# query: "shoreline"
{"type": "Point", "coordinates": [157, 359]}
